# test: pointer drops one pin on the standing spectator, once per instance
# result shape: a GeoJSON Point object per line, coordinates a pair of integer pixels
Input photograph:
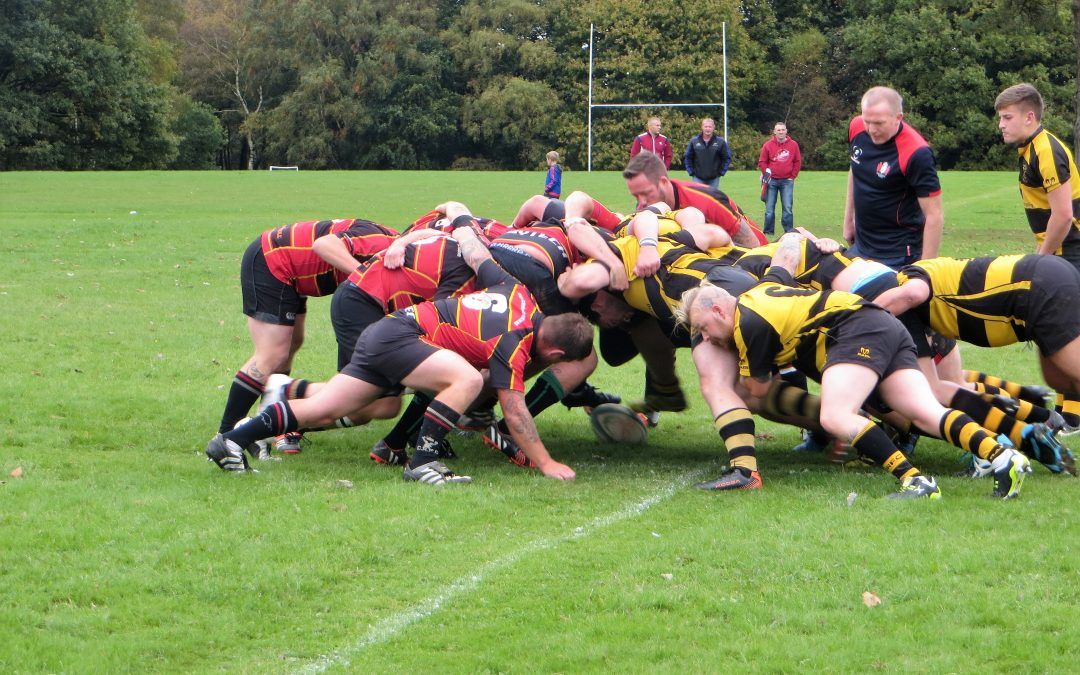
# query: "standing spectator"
{"type": "Point", "coordinates": [707, 156]}
{"type": "Point", "coordinates": [893, 210]}
{"type": "Point", "coordinates": [653, 141]}
{"type": "Point", "coordinates": [553, 184]}
{"type": "Point", "coordinates": [1047, 171]}
{"type": "Point", "coordinates": [779, 165]}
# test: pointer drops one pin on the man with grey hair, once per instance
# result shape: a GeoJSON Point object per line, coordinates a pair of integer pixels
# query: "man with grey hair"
{"type": "Point", "coordinates": [707, 156]}
{"type": "Point", "coordinates": [893, 211]}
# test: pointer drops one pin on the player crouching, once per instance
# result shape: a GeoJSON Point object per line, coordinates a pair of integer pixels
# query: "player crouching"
{"type": "Point", "coordinates": [853, 349]}
{"type": "Point", "coordinates": [438, 347]}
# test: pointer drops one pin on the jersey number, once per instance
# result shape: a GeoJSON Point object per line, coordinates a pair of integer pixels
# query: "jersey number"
{"type": "Point", "coordinates": [489, 301]}
{"type": "Point", "coordinates": [788, 292]}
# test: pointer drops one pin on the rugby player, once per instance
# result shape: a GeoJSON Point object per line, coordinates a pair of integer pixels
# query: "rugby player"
{"type": "Point", "coordinates": [854, 349]}
{"type": "Point", "coordinates": [279, 271]}
{"type": "Point", "coordinates": [438, 347]}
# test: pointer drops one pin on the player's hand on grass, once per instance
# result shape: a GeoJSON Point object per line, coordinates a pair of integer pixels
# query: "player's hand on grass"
{"type": "Point", "coordinates": [553, 469]}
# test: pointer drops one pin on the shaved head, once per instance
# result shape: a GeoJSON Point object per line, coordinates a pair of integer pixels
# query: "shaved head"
{"type": "Point", "coordinates": [878, 95]}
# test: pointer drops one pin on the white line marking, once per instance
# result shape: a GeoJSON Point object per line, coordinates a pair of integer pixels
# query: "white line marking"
{"type": "Point", "coordinates": [394, 624]}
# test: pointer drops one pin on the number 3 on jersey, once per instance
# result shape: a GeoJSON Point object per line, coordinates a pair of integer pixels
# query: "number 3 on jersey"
{"type": "Point", "coordinates": [490, 301]}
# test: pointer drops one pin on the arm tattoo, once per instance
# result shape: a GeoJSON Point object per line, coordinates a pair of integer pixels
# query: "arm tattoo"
{"type": "Point", "coordinates": [519, 418]}
{"type": "Point", "coordinates": [745, 236]}
{"type": "Point", "coordinates": [473, 250]}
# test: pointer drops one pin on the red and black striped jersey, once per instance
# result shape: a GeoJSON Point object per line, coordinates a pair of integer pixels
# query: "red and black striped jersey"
{"type": "Point", "coordinates": [494, 328]}
{"type": "Point", "coordinates": [290, 258]}
{"type": "Point", "coordinates": [718, 208]}
{"type": "Point", "coordinates": [435, 220]}
{"type": "Point", "coordinates": [432, 270]}
{"type": "Point", "coordinates": [548, 239]}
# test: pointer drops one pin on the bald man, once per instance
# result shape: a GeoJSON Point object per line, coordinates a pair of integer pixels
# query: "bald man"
{"type": "Point", "coordinates": [893, 212]}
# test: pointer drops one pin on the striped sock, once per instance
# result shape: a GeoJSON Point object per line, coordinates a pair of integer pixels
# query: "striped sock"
{"type": "Point", "coordinates": [986, 415]}
{"type": "Point", "coordinates": [874, 443]}
{"type": "Point", "coordinates": [439, 420]}
{"type": "Point", "coordinates": [1031, 413]}
{"type": "Point", "coordinates": [275, 420]}
{"type": "Point", "coordinates": [243, 393]}
{"type": "Point", "coordinates": [1070, 407]}
{"type": "Point", "coordinates": [736, 428]}
{"type": "Point", "coordinates": [1018, 391]}
{"type": "Point", "coordinates": [787, 400]}
{"type": "Point", "coordinates": [960, 430]}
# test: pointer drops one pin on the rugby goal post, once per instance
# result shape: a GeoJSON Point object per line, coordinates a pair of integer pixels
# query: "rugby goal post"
{"type": "Point", "coordinates": [284, 168]}
{"type": "Point", "coordinates": [591, 105]}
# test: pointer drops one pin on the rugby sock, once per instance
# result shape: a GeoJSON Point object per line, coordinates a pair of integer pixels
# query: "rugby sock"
{"type": "Point", "coordinates": [1031, 413]}
{"type": "Point", "coordinates": [438, 420]}
{"type": "Point", "coordinates": [1023, 392]}
{"type": "Point", "coordinates": [296, 389]}
{"type": "Point", "coordinates": [545, 392]}
{"type": "Point", "coordinates": [736, 428]}
{"type": "Point", "coordinates": [988, 416]}
{"type": "Point", "coordinates": [794, 377]}
{"type": "Point", "coordinates": [243, 393]}
{"type": "Point", "coordinates": [960, 430]}
{"type": "Point", "coordinates": [787, 400]}
{"type": "Point", "coordinates": [874, 443]}
{"type": "Point", "coordinates": [409, 423]}
{"type": "Point", "coordinates": [275, 420]}
{"type": "Point", "coordinates": [989, 389]}
{"type": "Point", "coordinates": [1069, 402]}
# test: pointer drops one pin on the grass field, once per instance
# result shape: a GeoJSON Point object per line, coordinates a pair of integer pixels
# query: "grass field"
{"type": "Point", "coordinates": [122, 549]}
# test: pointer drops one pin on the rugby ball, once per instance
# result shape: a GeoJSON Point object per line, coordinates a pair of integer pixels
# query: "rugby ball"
{"type": "Point", "coordinates": [615, 423]}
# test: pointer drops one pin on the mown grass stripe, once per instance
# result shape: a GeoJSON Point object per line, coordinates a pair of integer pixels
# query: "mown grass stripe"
{"type": "Point", "coordinates": [394, 624]}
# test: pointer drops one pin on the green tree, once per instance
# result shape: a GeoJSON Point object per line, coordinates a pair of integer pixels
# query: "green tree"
{"type": "Point", "coordinates": [75, 91]}
{"type": "Point", "coordinates": [199, 133]}
{"type": "Point", "coordinates": [227, 63]}
{"type": "Point", "coordinates": [952, 57]}
{"type": "Point", "coordinates": [648, 52]}
{"type": "Point", "coordinates": [371, 86]}
{"type": "Point", "coordinates": [502, 55]}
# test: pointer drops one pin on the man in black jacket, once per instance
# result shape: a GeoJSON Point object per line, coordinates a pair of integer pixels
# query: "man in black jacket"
{"type": "Point", "coordinates": [707, 155]}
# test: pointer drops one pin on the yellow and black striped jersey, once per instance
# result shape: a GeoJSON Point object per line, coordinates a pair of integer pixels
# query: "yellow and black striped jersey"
{"type": "Point", "coordinates": [1045, 164]}
{"type": "Point", "coordinates": [809, 271]}
{"type": "Point", "coordinates": [682, 267]}
{"type": "Point", "coordinates": [777, 324]}
{"type": "Point", "coordinates": [983, 301]}
{"type": "Point", "coordinates": [666, 222]}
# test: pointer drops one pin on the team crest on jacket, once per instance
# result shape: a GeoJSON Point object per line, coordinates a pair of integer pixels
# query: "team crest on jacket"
{"type": "Point", "coordinates": [883, 169]}
{"type": "Point", "coordinates": [856, 153]}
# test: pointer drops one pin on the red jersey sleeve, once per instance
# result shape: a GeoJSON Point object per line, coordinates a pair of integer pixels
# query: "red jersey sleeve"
{"type": "Point", "coordinates": [509, 358]}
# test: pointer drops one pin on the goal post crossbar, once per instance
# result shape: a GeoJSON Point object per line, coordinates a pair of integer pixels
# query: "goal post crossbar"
{"type": "Point", "coordinates": [591, 105]}
{"type": "Point", "coordinates": [653, 105]}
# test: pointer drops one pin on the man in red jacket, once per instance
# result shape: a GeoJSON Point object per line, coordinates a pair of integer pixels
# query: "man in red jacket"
{"type": "Point", "coordinates": [653, 141]}
{"type": "Point", "coordinates": [779, 165]}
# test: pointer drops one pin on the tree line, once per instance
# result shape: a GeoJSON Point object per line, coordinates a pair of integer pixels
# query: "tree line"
{"type": "Point", "coordinates": [495, 84]}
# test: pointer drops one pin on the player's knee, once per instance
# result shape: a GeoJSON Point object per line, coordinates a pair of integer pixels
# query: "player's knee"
{"type": "Point", "coordinates": [272, 361]}
{"type": "Point", "coordinates": [838, 423]}
{"type": "Point", "coordinates": [382, 409]}
{"type": "Point", "coordinates": [469, 382]}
